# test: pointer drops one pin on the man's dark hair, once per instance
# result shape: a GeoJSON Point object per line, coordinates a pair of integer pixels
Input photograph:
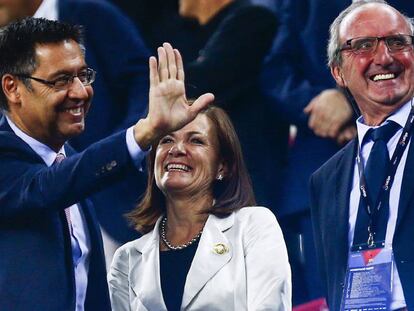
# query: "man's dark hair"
{"type": "Point", "coordinates": [18, 42]}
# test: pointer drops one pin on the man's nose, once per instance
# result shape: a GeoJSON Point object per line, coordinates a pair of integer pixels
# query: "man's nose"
{"type": "Point", "coordinates": [78, 90]}
{"type": "Point", "coordinates": [382, 55]}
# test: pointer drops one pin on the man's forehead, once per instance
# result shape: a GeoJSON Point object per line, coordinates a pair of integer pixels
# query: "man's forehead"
{"type": "Point", "coordinates": [65, 53]}
{"type": "Point", "coordinates": [64, 46]}
{"type": "Point", "coordinates": [373, 19]}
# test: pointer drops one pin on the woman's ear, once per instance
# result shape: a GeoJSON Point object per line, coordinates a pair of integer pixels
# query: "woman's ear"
{"type": "Point", "coordinates": [222, 171]}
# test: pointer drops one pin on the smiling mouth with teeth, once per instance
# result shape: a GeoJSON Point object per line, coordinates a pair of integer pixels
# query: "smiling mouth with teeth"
{"type": "Point", "coordinates": [385, 76]}
{"type": "Point", "coordinates": [75, 111]}
{"type": "Point", "coordinates": [177, 167]}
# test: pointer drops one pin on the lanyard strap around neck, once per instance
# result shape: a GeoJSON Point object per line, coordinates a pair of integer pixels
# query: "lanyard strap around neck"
{"type": "Point", "coordinates": [372, 207]}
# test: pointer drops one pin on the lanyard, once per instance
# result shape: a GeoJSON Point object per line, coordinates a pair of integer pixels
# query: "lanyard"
{"type": "Point", "coordinates": [385, 189]}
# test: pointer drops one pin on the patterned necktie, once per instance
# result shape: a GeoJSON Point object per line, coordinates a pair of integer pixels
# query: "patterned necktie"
{"type": "Point", "coordinates": [375, 171]}
{"type": "Point", "coordinates": [76, 250]}
{"type": "Point", "coordinates": [59, 158]}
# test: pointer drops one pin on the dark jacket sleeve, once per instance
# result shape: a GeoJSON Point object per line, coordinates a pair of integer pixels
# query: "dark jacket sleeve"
{"type": "Point", "coordinates": [28, 186]}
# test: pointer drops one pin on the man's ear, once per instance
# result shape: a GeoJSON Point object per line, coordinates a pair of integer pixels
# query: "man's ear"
{"type": "Point", "coordinates": [336, 72]}
{"type": "Point", "coordinates": [10, 88]}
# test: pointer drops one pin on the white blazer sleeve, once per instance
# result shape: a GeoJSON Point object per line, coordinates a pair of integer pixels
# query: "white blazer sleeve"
{"type": "Point", "coordinates": [118, 281]}
{"type": "Point", "coordinates": [267, 267]}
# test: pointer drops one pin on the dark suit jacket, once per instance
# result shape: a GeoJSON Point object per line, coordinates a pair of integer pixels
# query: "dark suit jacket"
{"type": "Point", "coordinates": [36, 269]}
{"type": "Point", "coordinates": [115, 50]}
{"type": "Point", "coordinates": [330, 190]}
{"type": "Point", "coordinates": [239, 37]}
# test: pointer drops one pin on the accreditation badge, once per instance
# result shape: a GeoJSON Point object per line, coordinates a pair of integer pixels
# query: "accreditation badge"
{"type": "Point", "coordinates": [368, 280]}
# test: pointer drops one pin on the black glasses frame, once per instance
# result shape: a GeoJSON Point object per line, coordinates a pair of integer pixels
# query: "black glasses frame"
{"type": "Point", "coordinates": [347, 45]}
{"type": "Point", "coordinates": [52, 83]}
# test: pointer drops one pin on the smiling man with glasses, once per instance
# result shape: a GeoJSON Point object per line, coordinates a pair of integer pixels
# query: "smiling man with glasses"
{"type": "Point", "coordinates": [362, 198]}
{"type": "Point", "coordinates": [51, 255]}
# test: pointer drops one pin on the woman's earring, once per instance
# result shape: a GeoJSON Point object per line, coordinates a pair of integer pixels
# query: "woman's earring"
{"type": "Point", "coordinates": [220, 177]}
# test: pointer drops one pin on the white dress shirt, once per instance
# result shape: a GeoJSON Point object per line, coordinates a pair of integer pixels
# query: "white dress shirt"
{"type": "Point", "coordinates": [399, 117]}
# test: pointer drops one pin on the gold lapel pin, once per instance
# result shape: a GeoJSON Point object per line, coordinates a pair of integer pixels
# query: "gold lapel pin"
{"type": "Point", "coordinates": [220, 248]}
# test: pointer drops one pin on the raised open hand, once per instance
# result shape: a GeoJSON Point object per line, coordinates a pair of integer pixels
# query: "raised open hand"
{"type": "Point", "coordinates": [168, 109]}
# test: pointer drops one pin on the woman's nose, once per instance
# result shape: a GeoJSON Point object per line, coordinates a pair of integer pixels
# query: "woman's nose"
{"type": "Point", "coordinates": [177, 149]}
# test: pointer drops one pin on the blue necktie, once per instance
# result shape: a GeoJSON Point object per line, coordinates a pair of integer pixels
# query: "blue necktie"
{"type": "Point", "coordinates": [375, 171]}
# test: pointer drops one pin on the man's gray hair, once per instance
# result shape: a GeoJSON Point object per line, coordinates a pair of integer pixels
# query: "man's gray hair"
{"type": "Point", "coordinates": [334, 45]}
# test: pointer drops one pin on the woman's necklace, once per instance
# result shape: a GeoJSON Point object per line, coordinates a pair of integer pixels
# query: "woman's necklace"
{"type": "Point", "coordinates": [168, 243]}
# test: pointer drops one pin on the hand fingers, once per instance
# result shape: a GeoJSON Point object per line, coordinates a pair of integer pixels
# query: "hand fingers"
{"type": "Point", "coordinates": [311, 121]}
{"type": "Point", "coordinates": [342, 139]}
{"type": "Point", "coordinates": [162, 64]}
{"type": "Point", "coordinates": [180, 66]}
{"type": "Point", "coordinates": [308, 108]}
{"type": "Point", "coordinates": [154, 78]}
{"type": "Point", "coordinates": [172, 68]}
{"type": "Point", "coordinates": [348, 133]}
{"type": "Point", "coordinates": [318, 124]}
{"type": "Point", "coordinates": [334, 129]}
{"type": "Point", "coordinates": [202, 102]}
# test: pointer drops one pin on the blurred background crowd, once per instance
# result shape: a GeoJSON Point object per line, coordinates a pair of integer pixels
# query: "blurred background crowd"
{"type": "Point", "coordinates": [265, 61]}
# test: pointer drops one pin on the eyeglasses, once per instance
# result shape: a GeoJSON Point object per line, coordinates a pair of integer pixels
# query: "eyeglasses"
{"type": "Point", "coordinates": [368, 45]}
{"type": "Point", "coordinates": [86, 77]}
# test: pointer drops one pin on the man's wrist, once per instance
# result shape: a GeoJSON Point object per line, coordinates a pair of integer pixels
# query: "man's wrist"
{"type": "Point", "coordinates": [144, 134]}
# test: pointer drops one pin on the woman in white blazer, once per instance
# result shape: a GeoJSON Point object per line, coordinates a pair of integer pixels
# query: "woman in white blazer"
{"type": "Point", "coordinates": [205, 246]}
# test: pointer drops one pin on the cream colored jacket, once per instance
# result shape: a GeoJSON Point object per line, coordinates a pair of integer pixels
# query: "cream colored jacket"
{"type": "Point", "coordinates": [252, 273]}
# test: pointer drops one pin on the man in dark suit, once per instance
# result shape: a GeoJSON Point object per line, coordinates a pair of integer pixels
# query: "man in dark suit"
{"type": "Point", "coordinates": [51, 248]}
{"type": "Point", "coordinates": [114, 48]}
{"type": "Point", "coordinates": [375, 62]}
{"type": "Point", "coordinates": [300, 87]}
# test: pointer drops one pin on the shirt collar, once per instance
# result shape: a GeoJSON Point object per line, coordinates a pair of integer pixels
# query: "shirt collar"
{"type": "Point", "coordinates": [400, 116]}
{"type": "Point", "coordinates": [47, 9]}
{"type": "Point", "coordinates": [45, 152]}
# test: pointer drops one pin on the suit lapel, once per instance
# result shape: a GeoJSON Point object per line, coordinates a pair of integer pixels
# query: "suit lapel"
{"type": "Point", "coordinates": [145, 275]}
{"type": "Point", "coordinates": [15, 145]}
{"type": "Point", "coordinates": [4, 126]}
{"type": "Point", "coordinates": [207, 261]}
{"type": "Point", "coordinates": [407, 186]}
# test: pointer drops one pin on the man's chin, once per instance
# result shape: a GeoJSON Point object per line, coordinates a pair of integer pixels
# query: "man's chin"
{"type": "Point", "coordinates": [392, 99]}
{"type": "Point", "coordinates": [74, 130]}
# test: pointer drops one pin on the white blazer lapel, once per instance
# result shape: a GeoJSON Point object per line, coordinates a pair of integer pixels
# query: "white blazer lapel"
{"type": "Point", "coordinates": [145, 272]}
{"type": "Point", "coordinates": [213, 252]}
